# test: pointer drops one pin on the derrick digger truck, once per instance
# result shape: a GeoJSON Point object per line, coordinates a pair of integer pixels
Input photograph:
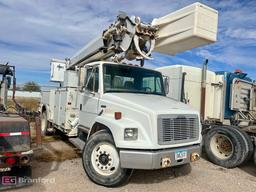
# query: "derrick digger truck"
{"type": "Point", "coordinates": [118, 113]}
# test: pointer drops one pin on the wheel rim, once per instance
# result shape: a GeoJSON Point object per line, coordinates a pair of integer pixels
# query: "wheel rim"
{"type": "Point", "coordinates": [221, 146]}
{"type": "Point", "coordinates": [105, 159]}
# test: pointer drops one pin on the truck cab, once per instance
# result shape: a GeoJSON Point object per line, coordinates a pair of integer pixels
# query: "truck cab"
{"type": "Point", "coordinates": [131, 101]}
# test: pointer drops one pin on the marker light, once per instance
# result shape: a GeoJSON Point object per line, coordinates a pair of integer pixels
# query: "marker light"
{"type": "Point", "coordinates": [118, 115]}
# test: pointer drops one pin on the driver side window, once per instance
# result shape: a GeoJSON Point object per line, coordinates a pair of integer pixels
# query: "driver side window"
{"type": "Point", "coordinates": [92, 79]}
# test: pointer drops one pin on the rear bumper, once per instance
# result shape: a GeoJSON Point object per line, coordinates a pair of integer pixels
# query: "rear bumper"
{"type": "Point", "coordinates": [145, 159]}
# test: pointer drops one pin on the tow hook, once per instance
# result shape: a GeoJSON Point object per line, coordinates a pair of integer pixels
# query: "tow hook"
{"type": "Point", "coordinates": [194, 157]}
{"type": "Point", "coordinates": [166, 162]}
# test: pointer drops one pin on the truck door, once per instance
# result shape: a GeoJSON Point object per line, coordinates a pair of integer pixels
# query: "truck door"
{"type": "Point", "coordinates": [90, 98]}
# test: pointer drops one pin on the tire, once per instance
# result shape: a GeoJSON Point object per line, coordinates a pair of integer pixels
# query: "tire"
{"type": "Point", "coordinates": [225, 147]}
{"type": "Point", "coordinates": [101, 161]}
{"type": "Point", "coordinates": [249, 148]}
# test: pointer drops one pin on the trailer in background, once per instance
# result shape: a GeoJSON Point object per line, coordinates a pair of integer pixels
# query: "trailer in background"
{"type": "Point", "coordinates": [227, 102]}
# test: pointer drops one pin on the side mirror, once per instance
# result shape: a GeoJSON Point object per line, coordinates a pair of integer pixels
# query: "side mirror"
{"type": "Point", "coordinates": [166, 84]}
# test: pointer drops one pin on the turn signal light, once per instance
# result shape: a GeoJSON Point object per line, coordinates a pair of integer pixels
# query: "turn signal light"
{"type": "Point", "coordinates": [118, 115]}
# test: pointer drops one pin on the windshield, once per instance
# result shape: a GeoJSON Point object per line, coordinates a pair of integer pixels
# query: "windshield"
{"type": "Point", "coordinates": [121, 78]}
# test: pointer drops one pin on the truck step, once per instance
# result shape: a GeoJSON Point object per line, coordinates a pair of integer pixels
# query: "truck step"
{"type": "Point", "coordinates": [78, 143]}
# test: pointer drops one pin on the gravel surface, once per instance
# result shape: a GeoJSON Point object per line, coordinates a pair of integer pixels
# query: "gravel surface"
{"type": "Point", "coordinates": [58, 167]}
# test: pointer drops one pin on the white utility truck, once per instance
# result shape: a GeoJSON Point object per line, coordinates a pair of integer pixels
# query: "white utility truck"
{"type": "Point", "coordinates": [227, 103]}
{"type": "Point", "coordinates": [118, 113]}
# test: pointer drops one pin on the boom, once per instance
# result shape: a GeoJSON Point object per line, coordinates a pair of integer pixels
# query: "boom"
{"type": "Point", "coordinates": [129, 38]}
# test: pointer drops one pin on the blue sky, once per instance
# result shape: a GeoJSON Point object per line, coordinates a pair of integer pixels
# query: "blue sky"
{"type": "Point", "coordinates": [34, 31]}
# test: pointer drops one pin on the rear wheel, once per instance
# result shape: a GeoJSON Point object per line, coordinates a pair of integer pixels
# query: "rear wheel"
{"type": "Point", "coordinates": [101, 161]}
{"type": "Point", "coordinates": [249, 148]}
{"type": "Point", "coordinates": [224, 147]}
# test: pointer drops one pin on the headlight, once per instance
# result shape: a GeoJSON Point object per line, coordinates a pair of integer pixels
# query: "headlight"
{"type": "Point", "coordinates": [130, 134]}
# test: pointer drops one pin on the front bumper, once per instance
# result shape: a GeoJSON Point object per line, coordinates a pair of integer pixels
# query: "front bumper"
{"type": "Point", "coordinates": [145, 159]}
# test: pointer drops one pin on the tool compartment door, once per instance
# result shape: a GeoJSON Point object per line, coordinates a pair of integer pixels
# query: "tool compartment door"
{"type": "Point", "coordinates": [241, 95]}
{"type": "Point", "coordinates": [56, 107]}
{"type": "Point", "coordinates": [62, 108]}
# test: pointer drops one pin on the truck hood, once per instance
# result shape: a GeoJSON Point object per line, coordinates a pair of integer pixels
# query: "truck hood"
{"type": "Point", "coordinates": [155, 103]}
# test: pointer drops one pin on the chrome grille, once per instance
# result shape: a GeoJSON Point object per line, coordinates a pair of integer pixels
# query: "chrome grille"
{"type": "Point", "coordinates": [177, 129]}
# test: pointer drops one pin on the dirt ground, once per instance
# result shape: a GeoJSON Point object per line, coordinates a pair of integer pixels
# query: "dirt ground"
{"type": "Point", "coordinates": [58, 167]}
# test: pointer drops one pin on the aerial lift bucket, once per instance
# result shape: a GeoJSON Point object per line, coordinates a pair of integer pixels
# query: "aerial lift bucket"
{"type": "Point", "coordinates": [128, 38]}
{"type": "Point", "coordinates": [190, 27]}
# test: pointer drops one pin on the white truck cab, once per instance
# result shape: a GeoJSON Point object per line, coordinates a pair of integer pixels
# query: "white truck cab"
{"type": "Point", "coordinates": [131, 102]}
{"type": "Point", "coordinates": [117, 113]}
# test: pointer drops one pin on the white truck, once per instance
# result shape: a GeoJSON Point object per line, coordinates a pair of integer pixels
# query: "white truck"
{"type": "Point", "coordinates": [118, 113]}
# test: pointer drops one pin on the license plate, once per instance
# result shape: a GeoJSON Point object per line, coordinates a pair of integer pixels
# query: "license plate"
{"type": "Point", "coordinates": [182, 154]}
{"type": "Point", "coordinates": [5, 169]}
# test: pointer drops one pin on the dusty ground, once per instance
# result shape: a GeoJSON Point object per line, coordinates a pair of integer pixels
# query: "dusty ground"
{"type": "Point", "coordinates": [59, 164]}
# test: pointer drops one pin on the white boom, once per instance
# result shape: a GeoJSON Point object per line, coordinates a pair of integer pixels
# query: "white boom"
{"type": "Point", "coordinates": [129, 38]}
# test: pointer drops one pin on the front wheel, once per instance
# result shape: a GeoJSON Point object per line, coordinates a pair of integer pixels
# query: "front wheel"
{"type": "Point", "coordinates": [101, 161]}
